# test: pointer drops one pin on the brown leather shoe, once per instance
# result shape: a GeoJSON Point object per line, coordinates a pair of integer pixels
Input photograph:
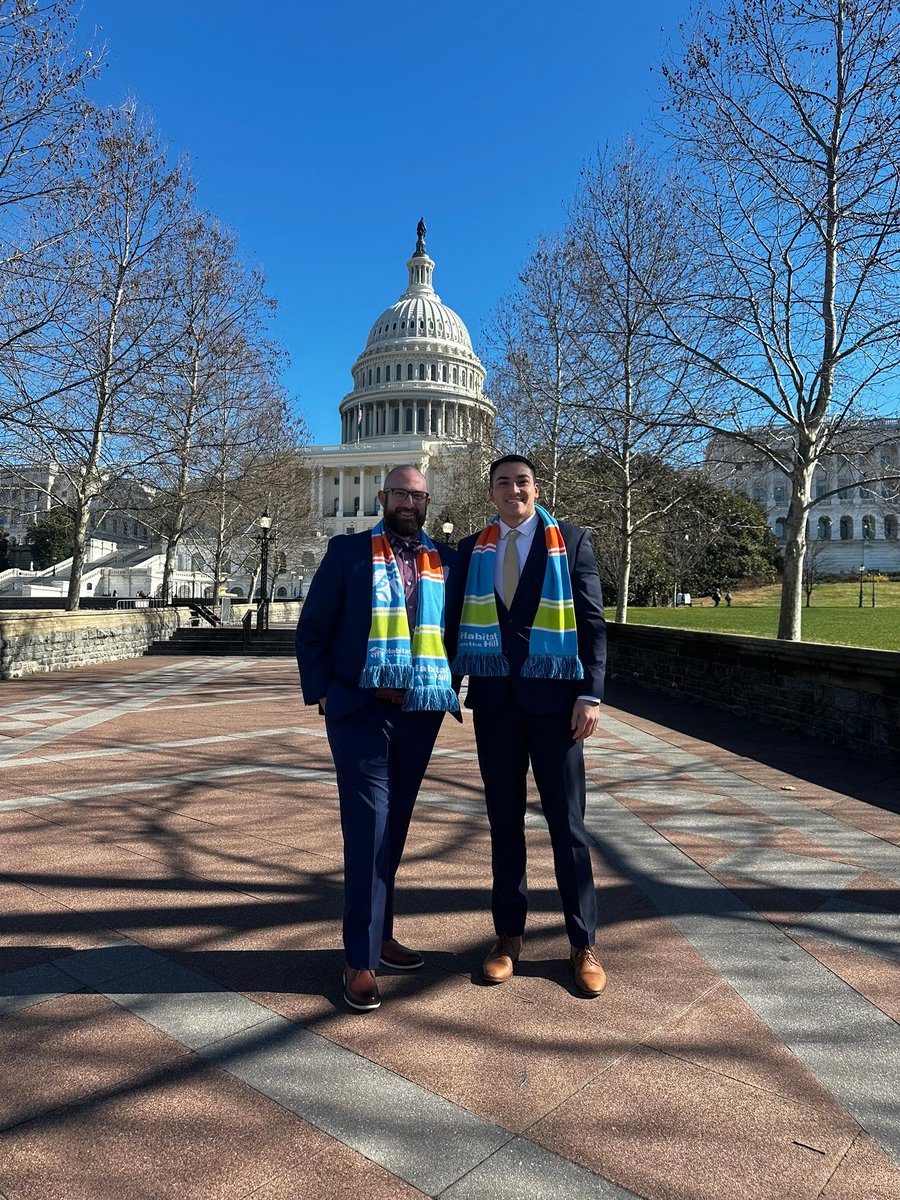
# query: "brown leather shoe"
{"type": "Point", "coordinates": [401, 958]}
{"type": "Point", "coordinates": [498, 965]}
{"type": "Point", "coordinates": [590, 977]}
{"type": "Point", "coordinates": [361, 990]}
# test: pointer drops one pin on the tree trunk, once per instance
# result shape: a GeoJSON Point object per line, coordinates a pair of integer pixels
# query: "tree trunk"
{"type": "Point", "coordinates": [625, 549]}
{"type": "Point", "coordinates": [73, 598]}
{"type": "Point", "coordinates": [789, 619]}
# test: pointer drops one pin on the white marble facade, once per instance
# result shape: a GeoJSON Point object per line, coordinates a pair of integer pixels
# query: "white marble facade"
{"type": "Point", "coordinates": [854, 521]}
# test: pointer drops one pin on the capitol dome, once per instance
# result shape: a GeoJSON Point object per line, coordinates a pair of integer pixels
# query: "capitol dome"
{"type": "Point", "coordinates": [418, 375]}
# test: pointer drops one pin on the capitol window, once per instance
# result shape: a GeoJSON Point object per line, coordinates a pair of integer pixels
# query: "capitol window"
{"type": "Point", "coordinates": [378, 374]}
{"type": "Point", "coordinates": [409, 370]}
{"type": "Point", "coordinates": [399, 373]}
{"type": "Point", "coordinates": [396, 420]}
{"type": "Point", "coordinates": [409, 420]}
{"type": "Point", "coordinates": [421, 370]}
{"type": "Point", "coordinates": [434, 372]}
{"type": "Point", "coordinates": [444, 372]}
{"type": "Point", "coordinates": [370, 374]}
{"type": "Point", "coordinates": [387, 374]}
{"type": "Point", "coordinates": [456, 374]}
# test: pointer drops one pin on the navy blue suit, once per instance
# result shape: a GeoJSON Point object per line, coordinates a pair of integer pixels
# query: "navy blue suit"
{"type": "Point", "coordinates": [519, 720]}
{"type": "Point", "coordinates": [380, 752]}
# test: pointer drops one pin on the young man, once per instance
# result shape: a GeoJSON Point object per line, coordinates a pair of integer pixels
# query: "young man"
{"type": "Point", "coordinates": [371, 654]}
{"type": "Point", "coordinates": [532, 640]}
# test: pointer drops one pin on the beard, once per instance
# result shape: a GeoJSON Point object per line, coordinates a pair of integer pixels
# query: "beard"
{"type": "Point", "coordinates": [406, 524]}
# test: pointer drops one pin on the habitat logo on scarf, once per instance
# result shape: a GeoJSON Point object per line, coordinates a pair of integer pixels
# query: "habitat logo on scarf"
{"type": "Point", "coordinates": [392, 659]}
{"type": "Point", "coordinates": [553, 641]}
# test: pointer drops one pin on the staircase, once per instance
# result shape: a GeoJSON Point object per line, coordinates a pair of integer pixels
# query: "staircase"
{"type": "Point", "coordinates": [191, 642]}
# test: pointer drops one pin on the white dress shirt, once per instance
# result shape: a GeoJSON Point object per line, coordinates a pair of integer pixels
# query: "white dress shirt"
{"type": "Point", "coordinates": [522, 546]}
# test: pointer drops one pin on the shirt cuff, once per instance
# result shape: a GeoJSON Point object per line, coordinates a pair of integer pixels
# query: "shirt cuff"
{"type": "Point", "coordinates": [591, 699]}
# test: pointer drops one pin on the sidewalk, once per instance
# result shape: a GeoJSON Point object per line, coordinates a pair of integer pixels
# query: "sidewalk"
{"type": "Point", "coordinates": [170, 963]}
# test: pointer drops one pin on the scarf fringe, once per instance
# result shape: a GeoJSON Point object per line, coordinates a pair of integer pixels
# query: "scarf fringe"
{"type": "Point", "coordinates": [431, 699]}
{"type": "Point", "coordinates": [547, 666]}
{"type": "Point", "coordinates": [472, 663]}
{"type": "Point", "coordinates": [378, 675]}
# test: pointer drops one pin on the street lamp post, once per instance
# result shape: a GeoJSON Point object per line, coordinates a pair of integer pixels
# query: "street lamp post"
{"type": "Point", "coordinates": [264, 537]}
{"type": "Point", "coordinates": [862, 571]}
{"type": "Point", "coordinates": [448, 529]}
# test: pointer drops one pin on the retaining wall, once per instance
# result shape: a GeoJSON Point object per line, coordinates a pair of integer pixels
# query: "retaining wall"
{"type": "Point", "coordinates": [49, 640]}
{"type": "Point", "coordinates": [840, 694]}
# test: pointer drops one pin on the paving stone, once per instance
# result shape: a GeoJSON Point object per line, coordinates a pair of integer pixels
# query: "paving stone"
{"type": "Point", "coordinates": [663, 1127]}
{"type": "Point", "coordinates": [187, 1007]}
{"type": "Point", "coordinates": [854, 925]}
{"type": "Point", "coordinates": [873, 976]}
{"type": "Point", "coordinates": [717, 825]}
{"type": "Point", "coordinates": [778, 869]}
{"type": "Point", "coordinates": [864, 1173]}
{"type": "Point", "coordinates": [191, 1133]}
{"type": "Point", "coordinates": [849, 1045]}
{"type": "Point", "coordinates": [95, 967]}
{"type": "Point", "coordinates": [87, 1047]}
{"type": "Point", "coordinates": [426, 1140]}
{"type": "Point", "coordinates": [33, 985]}
{"type": "Point", "coordinates": [674, 797]}
{"type": "Point", "coordinates": [523, 1171]}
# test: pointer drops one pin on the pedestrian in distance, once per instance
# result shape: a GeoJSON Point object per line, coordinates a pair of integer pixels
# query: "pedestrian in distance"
{"type": "Point", "coordinates": [532, 640]}
{"type": "Point", "coordinates": [728, 599]}
{"type": "Point", "coordinates": [372, 654]}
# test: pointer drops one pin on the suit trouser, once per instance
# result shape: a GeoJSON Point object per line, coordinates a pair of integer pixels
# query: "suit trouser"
{"type": "Point", "coordinates": [380, 756]}
{"type": "Point", "coordinates": [508, 737]}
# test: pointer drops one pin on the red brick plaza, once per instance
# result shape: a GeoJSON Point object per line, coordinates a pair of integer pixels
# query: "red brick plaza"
{"type": "Point", "coordinates": [172, 1023]}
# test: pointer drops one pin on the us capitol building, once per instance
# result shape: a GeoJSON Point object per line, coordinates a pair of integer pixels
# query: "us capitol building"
{"type": "Point", "coordinates": [418, 395]}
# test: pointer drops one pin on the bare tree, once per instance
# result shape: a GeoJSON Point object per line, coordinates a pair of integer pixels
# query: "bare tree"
{"type": "Point", "coordinates": [788, 118]}
{"type": "Point", "coordinates": [216, 303]}
{"type": "Point", "coordinates": [95, 367]}
{"type": "Point", "coordinates": [250, 423]}
{"type": "Point", "coordinates": [43, 110]}
{"type": "Point", "coordinates": [535, 376]}
{"type": "Point", "coordinates": [461, 492]}
{"type": "Point", "coordinates": [627, 227]}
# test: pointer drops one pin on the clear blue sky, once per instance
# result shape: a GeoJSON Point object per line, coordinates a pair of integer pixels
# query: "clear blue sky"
{"type": "Point", "coordinates": [321, 133]}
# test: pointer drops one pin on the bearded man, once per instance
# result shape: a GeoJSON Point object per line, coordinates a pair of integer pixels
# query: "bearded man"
{"type": "Point", "coordinates": [371, 651]}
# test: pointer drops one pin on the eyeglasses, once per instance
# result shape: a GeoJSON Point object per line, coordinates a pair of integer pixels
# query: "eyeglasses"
{"type": "Point", "coordinates": [406, 494]}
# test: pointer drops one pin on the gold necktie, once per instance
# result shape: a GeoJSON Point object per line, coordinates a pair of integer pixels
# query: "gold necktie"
{"type": "Point", "coordinates": [510, 568]}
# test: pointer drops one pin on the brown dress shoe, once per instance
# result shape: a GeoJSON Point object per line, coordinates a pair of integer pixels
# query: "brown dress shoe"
{"type": "Point", "coordinates": [590, 977]}
{"type": "Point", "coordinates": [498, 965]}
{"type": "Point", "coordinates": [400, 957]}
{"type": "Point", "coordinates": [361, 990]}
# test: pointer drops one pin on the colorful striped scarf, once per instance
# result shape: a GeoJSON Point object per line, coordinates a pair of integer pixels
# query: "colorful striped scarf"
{"type": "Point", "coordinates": [391, 661]}
{"type": "Point", "coordinates": [553, 641]}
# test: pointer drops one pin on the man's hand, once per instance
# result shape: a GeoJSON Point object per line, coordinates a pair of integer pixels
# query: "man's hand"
{"type": "Point", "coordinates": [585, 718]}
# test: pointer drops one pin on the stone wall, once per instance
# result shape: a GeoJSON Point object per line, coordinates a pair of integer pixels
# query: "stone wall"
{"type": "Point", "coordinates": [31, 642]}
{"type": "Point", "coordinates": [840, 694]}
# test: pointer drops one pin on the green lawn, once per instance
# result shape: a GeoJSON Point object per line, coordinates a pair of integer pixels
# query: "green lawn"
{"type": "Point", "coordinates": [834, 618]}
